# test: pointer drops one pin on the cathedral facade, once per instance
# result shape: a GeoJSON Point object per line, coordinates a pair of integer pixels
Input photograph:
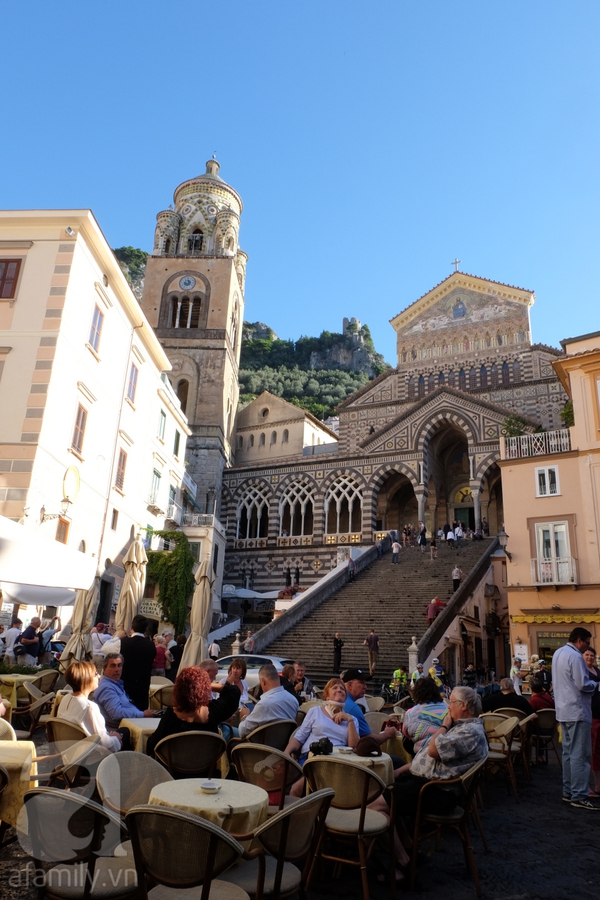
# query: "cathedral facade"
{"type": "Point", "coordinates": [420, 442]}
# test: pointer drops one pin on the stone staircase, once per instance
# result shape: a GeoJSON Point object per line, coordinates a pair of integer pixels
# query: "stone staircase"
{"type": "Point", "coordinates": [390, 599]}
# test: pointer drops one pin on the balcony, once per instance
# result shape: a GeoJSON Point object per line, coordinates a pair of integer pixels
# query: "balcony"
{"type": "Point", "coordinates": [174, 513]}
{"type": "Point", "coordinates": [543, 444]}
{"type": "Point", "coordinates": [198, 520]}
{"type": "Point", "coordinates": [153, 503]}
{"type": "Point", "coordinates": [343, 538]}
{"type": "Point", "coordinates": [554, 571]}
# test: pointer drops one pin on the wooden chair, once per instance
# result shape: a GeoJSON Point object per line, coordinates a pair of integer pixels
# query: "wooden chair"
{"type": "Point", "coordinates": [500, 754]}
{"type": "Point", "coordinates": [7, 732]}
{"type": "Point", "coordinates": [164, 696]}
{"type": "Point", "coordinates": [125, 780]}
{"type": "Point", "coordinates": [160, 679]}
{"type": "Point", "coordinates": [521, 744]}
{"type": "Point", "coordinates": [507, 711]}
{"type": "Point", "coordinates": [46, 680]}
{"type": "Point", "coordinates": [267, 768]}
{"type": "Point", "coordinates": [273, 734]}
{"type": "Point", "coordinates": [62, 733]}
{"type": "Point", "coordinates": [287, 839]}
{"type": "Point", "coordinates": [34, 712]}
{"type": "Point", "coordinates": [162, 839]}
{"type": "Point", "coordinates": [191, 754]}
{"type": "Point", "coordinates": [375, 720]}
{"type": "Point", "coordinates": [375, 704]}
{"type": "Point", "coordinates": [349, 818]}
{"type": "Point", "coordinates": [543, 733]}
{"type": "Point", "coordinates": [77, 837]}
{"type": "Point", "coordinates": [458, 819]}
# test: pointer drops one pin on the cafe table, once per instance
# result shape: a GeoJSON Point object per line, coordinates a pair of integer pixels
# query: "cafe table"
{"type": "Point", "coordinates": [17, 758]}
{"type": "Point", "coordinates": [140, 730]}
{"type": "Point", "coordinates": [237, 807]}
{"type": "Point", "coordinates": [381, 765]}
{"type": "Point", "coordinates": [11, 685]}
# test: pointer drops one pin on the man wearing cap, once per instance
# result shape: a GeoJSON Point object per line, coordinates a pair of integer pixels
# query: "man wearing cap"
{"type": "Point", "coordinates": [356, 687]}
{"type": "Point", "coordinates": [544, 675]}
{"type": "Point", "coordinates": [418, 673]}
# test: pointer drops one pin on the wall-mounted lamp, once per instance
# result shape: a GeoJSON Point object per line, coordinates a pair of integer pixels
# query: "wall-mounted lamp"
{"type": "Point", "coordinates": [64, 509]}
{"type": "Point", "coordinates": [69, 231]}
{"type": "Point", "coordinates": [503, 541]}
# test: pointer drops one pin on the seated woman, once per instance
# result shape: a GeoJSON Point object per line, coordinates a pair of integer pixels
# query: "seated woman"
{"type": "Point", "coordinates": [326, 720]}
{"type": "Point", "coordinates": [76, 707]}
{"type": "Point", "coordinates": [193, 709]}
{"type": "Point", "coordinates": [236, 675]}
{"type": "Point", "coordinates": [426, 717]}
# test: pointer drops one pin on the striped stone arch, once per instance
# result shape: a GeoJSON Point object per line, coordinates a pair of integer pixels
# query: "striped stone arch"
{"type": "Point", "coordinates": [330, 484]}
{"type": "Point", "coordinates": [326, 483]}
{"type": "Point", "coordinates": [370, 500]}
{"type": "Point", "coordinates": [483, 467]}
{"type": "Point", "coordinates": [432, 425]}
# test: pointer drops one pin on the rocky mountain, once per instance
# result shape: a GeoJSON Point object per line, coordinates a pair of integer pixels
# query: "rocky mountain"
{"type": "Point", "coordinates": [133, 264]}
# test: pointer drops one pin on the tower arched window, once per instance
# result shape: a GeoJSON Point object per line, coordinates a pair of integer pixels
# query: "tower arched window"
{"type": "Point", "coordinates": [441, 379]}
{"type": "Point", "coordinates": [473, 379]}
{"type": "Point", "coordinates": [499, 340]}
{"type": "Point", "coordinates": [261, 440]}
{"type": "Point", "coordinates": [167, 247]}
{"type": "Point", "coordinates": [273, 437]}
{"type": "Point", "coordinates": [505, 373]}
{"type": "Point", "coordinates": [240, 442]}
{"type": "Point", "coordinates": [343, 506]}
{"type": "Point", "coordinates": [451, 379]}
{"type": "Point", "coordinates": [431, 383]}
{"type": "Point", "coordinates": [285, 436]}
{"type": "Point", "coordinates": [410, 388]}
{"type": "Point", "coordinates": [296, 509]}
{"type": "Point", "coordinates": [494, 375]}
{"type": "Point", "coordinates": [195, 242]}
{"type": "Point", "coordinates": [183, 388]}
{"type": "Point", "coordinates": [483, 377]}
{"type": "Point", "coordinates": [421, 386]}
{"type": "Point", "coordinates": [253, 513]}
{"type": "Point", "coordinates": [462, 380]}
{"type": "Point", "coordinates": [516, 371]}
{"type": "Point", "coordinates": [251, 441]}
{"type": "Point", "coordinates": [195, 313]}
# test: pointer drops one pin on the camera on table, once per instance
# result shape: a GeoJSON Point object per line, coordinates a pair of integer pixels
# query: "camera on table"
{"type": "Point", "coordinates": [322, 747]}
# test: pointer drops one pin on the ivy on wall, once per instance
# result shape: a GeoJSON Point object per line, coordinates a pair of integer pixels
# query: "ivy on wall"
{"type": "Point", "coordinates": [171, 571]}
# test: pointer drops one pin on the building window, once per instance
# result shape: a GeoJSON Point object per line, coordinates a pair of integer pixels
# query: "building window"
{"type": "Point", "coordinates": [483, 377]}
{"type": "Point", "coordinates": [411, 388]}
{"type": "Point", "coordinates": [285, 436]}
{"type": "Point", "coordinates": [132, 385]}
{"type": "Point", "coordinates": [195, 242]}
{"type": "Point", "coordinates": [176, 443]}
{"type": "Point", "coordinates": [114, 519]}
{"type": "Point", "coordinates": [155, 486]}
{"type": "Point", "coordinates": [62, 530]}
{"type": "Point", "coordinates": [79, 430]}
{"type": "Point", "coordinates": [240, 442]}
{"type": "Point", "coordinates": [183, 387]}
{"type": "Point", "coordinates": [273, 437]}
{"type": "Point", "coordinates": [546, 481]}
{"type": "Point", "coordinates": [261, 440]}
{"type": "Point", "coordinates": [494, 375]}
{"type": "Point", "coordinates": [431, 383]}
{"type": "Point", "coordinates": [516, 371]}
{"type": "Point", "coordinates": [472, 379]}
{"type": "Point", "coordinates": [296, 509]}
{"type": "Point", "coordinates": [343, 506]}
{"type": "Point", "coordinates": [505, 373]}
{"type": "Point", "coordinates": [162, 424]}
{"type": "Point", "coordinates": [441, 379]}
{"type": "Point", "coordinates": [168, 245]}
{"type": "Point", "coordinates": [96, 328]}
{"type": "Point", "coordinates": [553, 564]}
{"type": "Point", "coordinates": [120, 478]}
{"type": "Point", "coordinates": [253, 513]}
{"type": "Point", "coordinates": [421, 386]}
{"type": "Point", "coordinates": [451, 379]}
{"type": "Point", "coordinates": [251, 441]}
{"type": "Point", "coordinates": [9, 273]}
{"type": "Point", "coordinates": [462, 380]}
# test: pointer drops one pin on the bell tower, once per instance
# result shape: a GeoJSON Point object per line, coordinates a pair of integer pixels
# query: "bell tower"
{"type": "Point", "coordinates": [194, 299]}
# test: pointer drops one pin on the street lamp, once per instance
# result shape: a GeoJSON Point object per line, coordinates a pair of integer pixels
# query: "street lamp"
{"type": "Point", "coordinates": [64, 509]}
{"type": "Point", "coordinates": [503, 541]}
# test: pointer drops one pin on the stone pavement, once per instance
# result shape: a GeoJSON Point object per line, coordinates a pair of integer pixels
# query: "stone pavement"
{"type": "Point", "coordinates": [541, 849]}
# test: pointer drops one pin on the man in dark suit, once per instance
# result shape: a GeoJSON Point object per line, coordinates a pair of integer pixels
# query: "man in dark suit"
{"type": "Point", "coordinates": [138, 658]}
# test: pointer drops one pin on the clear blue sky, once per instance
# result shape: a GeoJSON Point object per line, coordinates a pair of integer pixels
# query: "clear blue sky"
{"type": "Point", "coordinates": [371, 142]}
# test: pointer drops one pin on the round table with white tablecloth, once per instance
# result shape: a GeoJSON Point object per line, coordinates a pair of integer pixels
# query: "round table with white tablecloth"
{"type": "Point", "coordinates": [381, 765]}
{"type": "Point", "coordinates": [17, 758]}
{"type": "Point", "coordinates": [237, 808]}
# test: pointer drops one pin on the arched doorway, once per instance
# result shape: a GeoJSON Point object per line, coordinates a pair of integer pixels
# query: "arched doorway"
{"type": "Point", "coordinates": [447, 463]}
{"type": "Point", "coordinates": [396, 503]}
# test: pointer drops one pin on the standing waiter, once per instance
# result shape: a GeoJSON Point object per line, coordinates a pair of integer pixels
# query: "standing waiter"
{"type": "Point", "coordinates": [138, 658]}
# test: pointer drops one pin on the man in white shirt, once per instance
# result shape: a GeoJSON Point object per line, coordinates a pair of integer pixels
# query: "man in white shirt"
{"type": "Point", "coordinates": [9, 639]}
{"type": "Point", "coordinates": [275, 703]}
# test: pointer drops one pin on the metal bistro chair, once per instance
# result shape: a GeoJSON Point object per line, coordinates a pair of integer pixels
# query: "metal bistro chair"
{"type": "Point", "coordinates": [284, 841]}
{"type": "Point", "coordinates": [77, 837]}
{"type": "Point", "coordinates": [125, 780]}
{"type": "Point", "coordinates": [45, 682]}
{"type": "Point", "coordinates": [458, 819]}
{"type": "Point", "coordinates": [164, 696]}
{"type": "Point", "coordinates": [349, 818]}
{"type": "Point", "coordinates": [507, 711]}
{"type": "Point", "coordinates": [273, 734]}
{"type": "Point", "coordinates": [521, 744]}
{"type": "Point", "coordinates": [34, 712]}
{"type": "Point", "coordinates": [375, 704]}
{"type": "Point", "coordinates": [500, 754]}
{"type": "Point", "coordinates": [162, 840]}
{"type": "Point", "coordinates": [191, 754]}
{"type": "Point", "coordinates": [7, 732]}
{"type": "Point", "coordinates": [544, 732]}
{"type": "Point", "coordinates": [375, 720]}
{"type": "Point", "coordinates": [267, 768]}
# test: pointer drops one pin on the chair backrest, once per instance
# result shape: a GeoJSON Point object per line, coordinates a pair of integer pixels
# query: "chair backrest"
{"type": "Point", "coordinates": [470, 780]}
{"type": "Point", "coordinates": [65, 827]}
{"type": "Point", "coordinates": [164, 696]}
{"type": "Point", "coordinates": [375, 703]}
{"type": "Point", "coordinates": [62, 732]}
{"type": "Point", "coordinates": [162, 839]}
{"type": "Point", "coordinates": [290, 833]}
{"type": "Point", "coordinates": [160, 679]}
{"type": "Point", "coordinates": [33, 691]}
{"type": "Point", "coordinates": [125, 780]}
{"type": "Point", "coordinates": [546, 719]}
{"type": "Point", "coordinates": [190, 754]}
{"type": "Point", "coordinates": [490, 720]}
{"type": "Point", "coordinates": [46, 680]}
{"type": "Point", "coordinates": [526, 723]}
{"type": "Point", "coordinates": [7, 732]}
{"type": "Point", "coordinates": [507, 711]}
{"type": "Point", "coordinates": [35, 710]}
{"type": "Point", "coordinates": [80, 761]}
{"type": "Point", "coordinates": [375, 720]}
{"type": "Point", "coordinates": [265, 767]}
{"type": "Point", "coordinates": [273, 734]}
{"type": "Point", "coordinates": [355, 785]}
{"type": "Point", "coordinates": [504, 730]}
{"type": "Point", "coordinates": [399, 712]}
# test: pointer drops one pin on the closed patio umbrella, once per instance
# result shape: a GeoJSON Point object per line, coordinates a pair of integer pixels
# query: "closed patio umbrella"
{"type": "Point", "coordinates": [200, 618]}
{"type": "Point", "coordinates": [135, 562]}
{"type": "Point", "coordinates": [79, 645]}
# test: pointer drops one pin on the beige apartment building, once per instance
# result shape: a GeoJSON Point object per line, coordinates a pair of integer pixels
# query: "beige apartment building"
{"type": "Point", "coordinates": [551, 489]}
{"type": "Point", "coordinates": [92, 435]}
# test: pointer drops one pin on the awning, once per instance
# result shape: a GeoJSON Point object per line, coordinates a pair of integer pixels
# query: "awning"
{"type": "Point", "coordinates": [29, 559]}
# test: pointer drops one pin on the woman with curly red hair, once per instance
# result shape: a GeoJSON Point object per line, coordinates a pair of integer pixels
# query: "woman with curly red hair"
{"type": "Point", "coordinates": [193, 709]}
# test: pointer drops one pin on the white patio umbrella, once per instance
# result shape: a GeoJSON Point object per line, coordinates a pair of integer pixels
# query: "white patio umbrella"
{"type": "Point", "coordinates": [79, 645]}
{"type": "Point", "coordinates": [135, 562]}
{"type": "Point", "coordinates": [200, 617]}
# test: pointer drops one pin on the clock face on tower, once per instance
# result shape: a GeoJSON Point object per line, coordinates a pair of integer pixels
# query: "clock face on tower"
{"type": "Point", "coordinates": [187, 283]}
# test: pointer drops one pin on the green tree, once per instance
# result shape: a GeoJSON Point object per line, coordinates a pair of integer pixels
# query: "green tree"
{"type": "Point", "coordinates": [567, 414]}
{"type": "Point", "coordinates": [133, 262]}
{"type": "Point", "coordinates": [515, 425]}
{"type": "Point", "coordinates": [171, 571]}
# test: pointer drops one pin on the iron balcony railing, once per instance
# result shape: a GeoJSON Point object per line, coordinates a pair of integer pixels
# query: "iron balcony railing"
{"type": "Point", "coordinates": [542, 444]}
{"type": "Point", "coordinates": [198, 520]}
{"type": "Point", "coordinates": [554, 571]}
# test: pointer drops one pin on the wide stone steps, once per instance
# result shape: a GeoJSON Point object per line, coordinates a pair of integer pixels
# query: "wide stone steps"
{"type": "Point", "coordinates": [390, 599]}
